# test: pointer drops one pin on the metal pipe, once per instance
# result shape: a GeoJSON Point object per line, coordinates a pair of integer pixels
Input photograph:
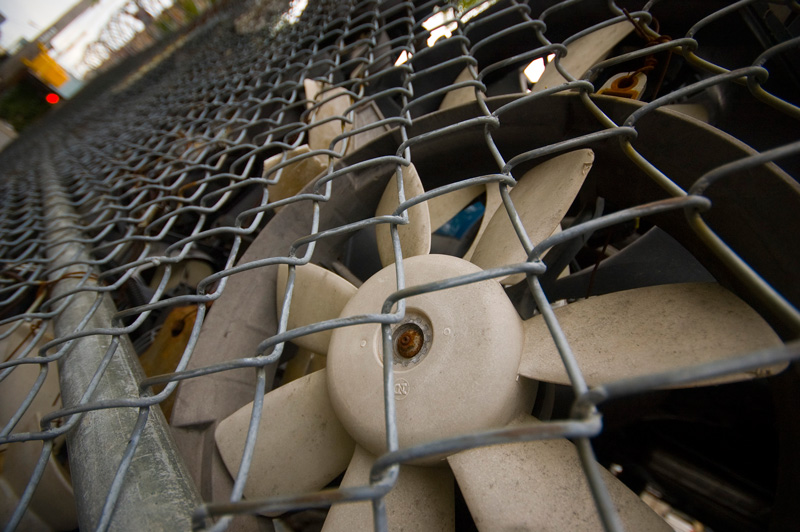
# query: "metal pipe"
{"type": "Point", "coordinates": [156, 492]}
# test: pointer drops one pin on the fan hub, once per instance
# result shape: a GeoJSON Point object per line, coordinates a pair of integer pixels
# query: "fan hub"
{"type": "Point", "coordinates": [455, 357]}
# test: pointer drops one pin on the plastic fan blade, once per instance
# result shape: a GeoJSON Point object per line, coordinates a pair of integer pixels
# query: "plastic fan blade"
{"type": "Point", "coordinates": [541, 197]}
{"type": "Point", "coordinates": [318, 295]}
{"type": "Point", "coordinates": [415, 238]}
{"type": "Point", "coordinates": [648, 330]}
{"type": "Point", "coordinates": [336, 102]}
{"type": "Point", "coordinates": [313, 88]}
{"type": "Point", "coordinates": [583, 53]}
{"type": "Point", "coordinates": [366, 115]}
{"type": "Point", "coordinates": [443, 208]}
{"type": "Point", "coordinates": [540, 486]}
{"type": "Point", "coordinates": [20, 381]}
{"type": "Point", "coordinates": [301, 445]}
{"type": "Point", "coordinates": [295, 175]}
{"type": "Point", "coordinates": [422, 499]}
{"type": "Point", "coordinates": [493, 202]}
{"type": "Point", "coordinates": [54, 500]}
{"type": "Point", "coordinates": [460, 96]}
{"type": "Point", "coordinates": [695, 110]}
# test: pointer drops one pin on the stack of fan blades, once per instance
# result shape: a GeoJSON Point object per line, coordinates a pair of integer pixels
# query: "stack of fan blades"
{"type": "Point", "coordinates": [476, 367]}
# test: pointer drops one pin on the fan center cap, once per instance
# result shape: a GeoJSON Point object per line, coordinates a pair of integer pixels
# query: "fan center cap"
{"type": "Point", "coordinates": [411, 339]}
{"type": "Point", "coordinates": [455, 357]}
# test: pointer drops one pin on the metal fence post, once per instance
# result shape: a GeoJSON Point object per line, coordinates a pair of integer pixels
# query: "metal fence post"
{"type": "Point", "coordinates": [157, 492]}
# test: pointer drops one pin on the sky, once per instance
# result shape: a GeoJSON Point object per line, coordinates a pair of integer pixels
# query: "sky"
{"type": "Point", "coordinates": [28, 18]}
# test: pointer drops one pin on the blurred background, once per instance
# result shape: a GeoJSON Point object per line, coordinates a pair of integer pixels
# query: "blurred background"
{"type": "Point", "coordinates": [49, 49]}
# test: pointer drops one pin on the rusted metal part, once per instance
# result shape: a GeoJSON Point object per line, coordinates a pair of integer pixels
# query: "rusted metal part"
{"type": "Point", "coordinates": [408, 340]}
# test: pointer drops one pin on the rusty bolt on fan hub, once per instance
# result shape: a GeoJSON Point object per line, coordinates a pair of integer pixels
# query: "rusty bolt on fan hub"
{"type": "Point", "coordinates": [409, 342]}
{"type": "Point", "coordinates": [412, 339]}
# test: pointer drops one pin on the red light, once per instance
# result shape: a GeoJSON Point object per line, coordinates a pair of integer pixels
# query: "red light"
{"type": "Point", "coordinates": [52, 98]}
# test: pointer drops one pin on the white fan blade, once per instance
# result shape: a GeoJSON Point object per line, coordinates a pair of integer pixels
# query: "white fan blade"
{"type": "Point", "coordinates": [444, 207]}
{"type": "Point", "coordinates": [421, 500]}
{"type": "Point", "coordinates": [648, 330]}
{"type": "Point", "coordinates": [301, 445]}
{"type": "Point", "coordinates": [294, 176]}
{"type": "Point", "coordinates": [312, 88]}
{"type": "Point", "coordinates": [695, 110]}
{"type": "Point", "coordinates": [540, 486]}
{"type": "Point", "coordinates": [321, 136]}
{"type": "Point", "coordinates": [415, 238]}
{"type": "Point", "coordinates": [367, 114]}
{"type": "Point", "coordinates": [17, 385]}
{"type": "Point", "coordinates": [583, 53]}
{"type": "Point", "coordinates": [318, 295]}
{"type": "Point", "coordinates": [541, 197]}
{"type": "Point", "coordinates": [493, 201]}
{"type": "Point", "coordinates": [53, 501]}
{"type": "Point", "coordinates": [460, 96]}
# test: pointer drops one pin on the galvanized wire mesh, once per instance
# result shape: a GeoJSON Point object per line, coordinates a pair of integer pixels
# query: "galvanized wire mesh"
{"type": "Point", "coordinates": [118, 193]}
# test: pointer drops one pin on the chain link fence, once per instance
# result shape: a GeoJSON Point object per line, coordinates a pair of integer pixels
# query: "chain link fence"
{"type": "Point", "coordinates": [145, 222]}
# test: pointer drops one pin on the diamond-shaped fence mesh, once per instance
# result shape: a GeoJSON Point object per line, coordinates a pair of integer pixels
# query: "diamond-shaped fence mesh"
{"type": "Point", "coordinates": [146, 222]}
